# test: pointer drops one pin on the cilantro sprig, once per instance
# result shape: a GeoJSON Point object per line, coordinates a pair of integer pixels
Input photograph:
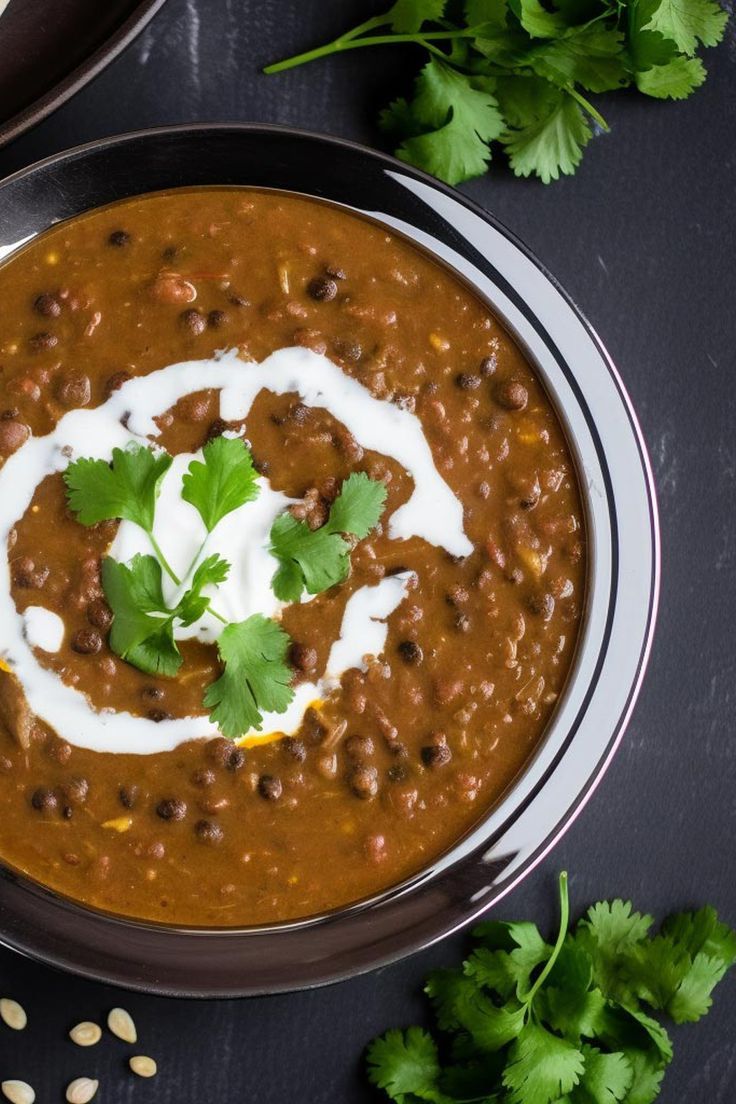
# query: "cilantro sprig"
{"type": "Point", "coordinates": [316, 559]}
{"type": "Point", "coordinates": [518, 73]}
{"type": "Point", "coordinates": [256, 677]}
{"type": "Point", "coordinates": [523, 1022]}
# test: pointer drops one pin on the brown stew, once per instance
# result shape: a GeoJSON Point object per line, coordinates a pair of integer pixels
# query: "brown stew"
{"type": "Point", "coordinates": [406, 755]}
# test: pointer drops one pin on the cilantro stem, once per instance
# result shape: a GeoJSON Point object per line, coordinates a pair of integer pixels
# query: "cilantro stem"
{"type": "Point", "coordinates": [163, 561]}
{"type": "Point", "coordinates": [195, 561]}
{"type": "Point", "coordinates": [561, 936]}
{"type": "Point", "coordinates": [587, 106]}
{"type": "Point", "coordinates": [369, 25]}
{"type": "Point", "coordinates": [346, 43]}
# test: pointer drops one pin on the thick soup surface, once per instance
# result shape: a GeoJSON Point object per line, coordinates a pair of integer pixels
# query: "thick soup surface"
{"type": "Point", "coordinates": [421, 682]}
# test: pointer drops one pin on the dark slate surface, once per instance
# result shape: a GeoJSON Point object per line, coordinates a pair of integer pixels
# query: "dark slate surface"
{"type": "Point", "coordinates": [643, 239]}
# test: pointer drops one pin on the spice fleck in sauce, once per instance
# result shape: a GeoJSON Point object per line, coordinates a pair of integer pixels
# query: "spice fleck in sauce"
{"type": "Point", "coordinates": [422, 684]}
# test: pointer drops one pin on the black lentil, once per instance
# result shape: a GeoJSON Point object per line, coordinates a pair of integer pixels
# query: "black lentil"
{"type": "Point", "coordinates": [44, 800]}
{"type": "Point", "coordinates": [270, 787]}
{"type": "Point", "coordinates": [128, 795]}
{"type": "Point", "coordinates": [467, 382]}
{"type": "Point", "coordinates": [410, 652]}
{"type": "Point", "coordinates": [193, 322]}
{"type": "Point", "coordinates": [208, 831]}
{"type": "Point", "coordinates": [322, 288]}
{"type": "Point", "coordinates": [436, 755]}
{"type": "Point", "coordinates": [87, 642]}
{"type": "Point", "coordinates": [172, 808]}
{"type": "Point", "coordinates": [47, 305]}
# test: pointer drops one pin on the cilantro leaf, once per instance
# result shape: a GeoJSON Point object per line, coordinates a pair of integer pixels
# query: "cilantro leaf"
{"type": "Point", "coordinates": [646, 48]}
{"type": "Point", "coordinates": [405, 1062]}
{"type": "Point", "coordinates": [607, 932]}
{"type": "Point", "coordinates": [397, 120]}
{"type": "Point", "coordinates": [665, 974]}
{"type": "Point", "coordinates": [692, 997]}
{"type": "Point", "coordinates": [591, 55]}
{"type": "Point", "coordinates": [537, 20]}
{"type": "Point", "coordinates": [626, 1028]}
{"type": "Point", "coordinates": [142, 626]}
{"type": "Point", "coordinates": [475, 1080]}
{"type": "Point", "coordinates": [574, 1013]}
{"type": "Point", "coordinates": [647, 1072]}
{"type": "Point", "coordinates": [311, 559]}
{"type": "Point", "coordinates": [489, 14]}
{"type": "Point", "coordinates": [702, 931]}
{"type": "Point", "coordinates": [567, 1002]}
{"type": "Point", "coordinates": [157, 653]}
{"type": "Point", "coordinates": [316, 559]}
{"type": "Point", "coordinates": [358, 506]}
{"type": "Point", "coordinates": [193, 604]}
{"type": "Point", "coordinates": [461, 120]}
{"type": "Point", "coordinates": [525, 99]}
{"type": "Point", "coordinates": [460, 1005]}
{"type": "Point", "coordinates": [552, 145]}
{"type": "Point", "coordinates": [126, 488]}
{"type": "Point", "coordinates": [494, 970]}
{"type": "Point", "coordinates": [507, 971]}
{"type": "Point", "coordinates": [655, 969]}
{"type": "Point", "coordinates": [674, 81]}
{"type": "Point", "coordinates": [222, 481]}
{"type": "Point", "coordinates": [688, 22]}
{"type": "Point", "coordinates": [606, 1078]}
{"type": "Point", "coordinates": [541, 1067]}
{"type": "Point", "coordinates": [407, 16]}
{"type": "Point", "coordinates": [256, 677]}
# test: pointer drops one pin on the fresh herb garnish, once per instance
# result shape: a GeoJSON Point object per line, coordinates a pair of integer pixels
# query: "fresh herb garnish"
{"type": "Point", "coordinates": [316, 559]}
{"type": "Point", "coordinates": [523, 1022]}
{"type": "Point", "coordinates": [516, 72]}
{"type": "Point", "coordinates": [223, 482]}
{"type": "Point", "coordinates": [256, 676]}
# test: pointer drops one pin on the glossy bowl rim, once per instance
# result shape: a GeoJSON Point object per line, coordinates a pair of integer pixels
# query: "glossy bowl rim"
{"type": "Point", "coordinates": [408, 942]}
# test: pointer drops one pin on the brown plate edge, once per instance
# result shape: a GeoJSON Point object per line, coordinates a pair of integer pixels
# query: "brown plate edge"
{"type": "Point", "coordinates": [63, 90]}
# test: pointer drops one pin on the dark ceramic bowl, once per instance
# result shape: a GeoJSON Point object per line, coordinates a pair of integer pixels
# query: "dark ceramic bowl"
{"type": "Point", "coordinates": [623, 576]}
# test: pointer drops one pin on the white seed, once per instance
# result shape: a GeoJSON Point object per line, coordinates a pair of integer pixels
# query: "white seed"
{"type": "Point", "coordinates": [121, 1024]}
{"type": "Point", "coordinates": [81, 1090]}
{"type": "Point", "coordinates": [143, 1066]}
{"type": "Point", "coordinates": [86, 1033]}
{"type": "Point", "coordinates": [13, 1014]}
{"type": "Point", "coordinates": [18, 1092]}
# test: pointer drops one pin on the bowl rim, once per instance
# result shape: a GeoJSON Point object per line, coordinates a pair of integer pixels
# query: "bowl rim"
{"type": "Point", "coordinates": [118, 971]}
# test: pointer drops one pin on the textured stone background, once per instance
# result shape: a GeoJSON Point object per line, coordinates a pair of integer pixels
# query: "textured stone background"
{"type": "Point", "coordinates": [643, 239]}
